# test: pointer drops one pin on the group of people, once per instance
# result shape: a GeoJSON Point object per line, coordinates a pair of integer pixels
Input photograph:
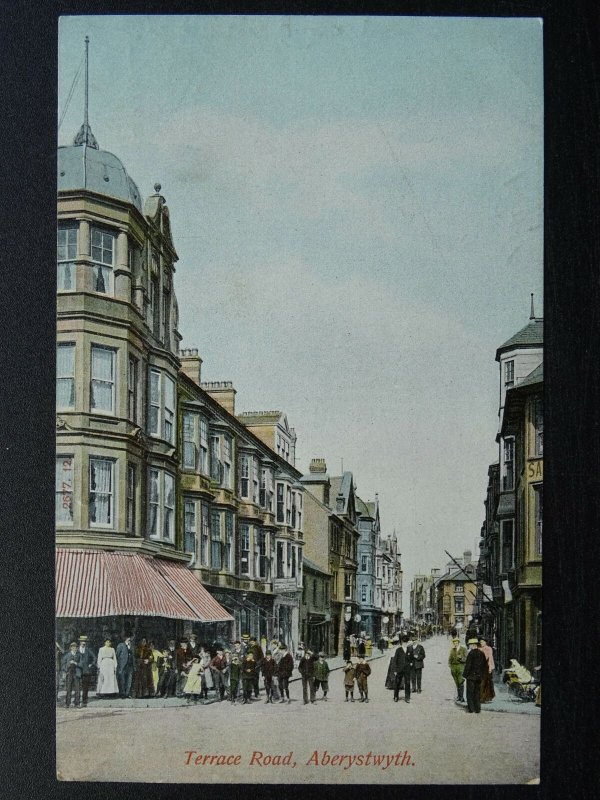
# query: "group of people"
{"type": "Point", "coordinates": [406, 668]}
{"type": "Point", "coordinates": [190, 670]}
{"type": "Point", "coordinates": [474, 665]}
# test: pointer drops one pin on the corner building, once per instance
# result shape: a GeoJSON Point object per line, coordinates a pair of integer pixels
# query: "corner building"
{"type": "Point", "coordinates": [154, 474]}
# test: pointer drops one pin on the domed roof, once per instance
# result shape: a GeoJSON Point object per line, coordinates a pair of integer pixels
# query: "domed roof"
{"type": "Point", "coordinates": [83, 165]}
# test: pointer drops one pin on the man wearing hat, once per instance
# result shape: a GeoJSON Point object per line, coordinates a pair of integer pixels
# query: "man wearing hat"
{"type": "Point", "coordinates": [475, 668]}
{"type": "Point", "coordinates": [277, 654]}
{"type": "Point", "coordinates": [70, 667]}
{"type": "Point", "coordinates": [284, 672]}
{"type": "Point", "coordinates": [182, 664]}
{"type": "Point", "coordinates": [306, 667]}
{"type": "Point", "coordinates": [267, 667]}
{"type": "Point", "coordinates": [245, 644]}
{"type": "Point", "coordinates": [125, 666]}
{"type": "Point", "coordinates": [258, 654]}
{"type": "Point", "coordinates": [217, 666]}
{"type": "Point", "coordinates": [456, 661]}
{"type": "Point", "coordinates": [87, 663]}
{"type": "Point", "coordinates": [403, 662]}
{"type": "Point", "coordinates": [322, 675]}
{"type": "Point", "coordinates": [193, 646]}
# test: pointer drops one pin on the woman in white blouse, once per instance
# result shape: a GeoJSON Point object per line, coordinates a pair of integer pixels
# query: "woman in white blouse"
{"type": "Point", "coordinates": [107, 670]}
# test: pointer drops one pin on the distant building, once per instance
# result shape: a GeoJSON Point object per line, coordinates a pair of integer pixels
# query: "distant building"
{"type": "Point", "coordinates": [315, 608]}
{"type": "Point", "coordinates": [456, 593]}
{"type": "Point", "coordinates": [331, 543]}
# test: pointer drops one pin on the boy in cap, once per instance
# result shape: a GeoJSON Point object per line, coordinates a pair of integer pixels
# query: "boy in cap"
{"type": "Point", "coordinates": [322, 675]}
{"type": "Point", "coordinates": [267, 668]}
{"type": "Point", "coordinates": [362, 672]}
{"type": "Point", "coordinates": [248, 677]}
{"type": "Point", "coordinates": [349, 675]}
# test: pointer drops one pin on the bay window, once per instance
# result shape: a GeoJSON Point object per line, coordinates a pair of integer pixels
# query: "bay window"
{"type": "Point", "coordinates": [216, 467]}
{"type": "Point", "coordinates": [508, 478]}
{"type": "Point", "coordinates": [66, 252]}
{"type": "Point", "coordinates": [204, 534]}
{"type": "Point", "coordinates": [263, 561]}
{"type": "Point", "coordinates": [203, 465]}
{"type": "Point", "coordinates": [280, 503]}
{"type": "Point", "coordinates": [161, 406]}
{"type": "Point", "coordinates": [64, 490]}
{"type": "Point", "coordinates": [101, 492]}
{"type": "Point", "coordinates": [161, 505]}
{"type": "Point", "coordinates": [244, 475]}
{"type": "Point", "coordinates": [255, 479]}
{"type": "Point", "coordinates": [189, 440]}
{"type": "Point", "coordinates": [244, 549]}
{"type": "Point", "coordinates": [131, 486]}
{"type": "Point", "coordinates": [189, 526]}
{"type": "Point", "coordinates": [279, 559]}
{"type": "Point", "coordinates": [132, 389]}
{"type": "Point", "coordinates": [65, 375]}
{"type": "Point", "coordinates": [102, 396]}
{"type": "Point", "coordinates": [229, 543]}
{"type": "Point", "coordinates": [215, 535]}
{"type": "Point", "coordinates": [103, 258]}
{"type": "Point", "coordinates": [227, 460]}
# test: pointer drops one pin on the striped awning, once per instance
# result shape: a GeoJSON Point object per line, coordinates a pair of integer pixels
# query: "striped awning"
{"type": "Point", "coordinates": [97, 583]}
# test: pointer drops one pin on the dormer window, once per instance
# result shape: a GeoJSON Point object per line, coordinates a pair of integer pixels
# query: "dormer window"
{"type": "Point", "coordinates": [103, 255]}
{"type": "Point", "coordinates": [66, 251]}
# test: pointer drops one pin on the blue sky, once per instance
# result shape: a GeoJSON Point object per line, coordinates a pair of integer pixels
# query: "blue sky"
{"type": "Point", "coordinates": [357, 205]}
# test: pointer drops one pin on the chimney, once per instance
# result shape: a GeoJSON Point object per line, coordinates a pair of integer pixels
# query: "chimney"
{"type": "Point", "coordinates": [467, 557]}
{"type": "Point", "coordinates": [191, 363]}
{"type": "Point", "coordinates": [223, 392]}
{"type": "Point", "coordinates": [317, 481]}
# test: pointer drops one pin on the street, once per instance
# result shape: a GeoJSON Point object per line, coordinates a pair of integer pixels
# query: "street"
{"type": "Point", "coordinates": [430, 740]}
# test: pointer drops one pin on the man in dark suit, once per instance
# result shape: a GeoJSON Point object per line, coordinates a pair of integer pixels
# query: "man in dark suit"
{"type": "Point", "coordinates": [125, 666]}
{"type": "Point", "coordinates": [86, 665]}
{"type": "Point", "coordinates": [403, 661]}
{"type": "Point", "coordinates": [72, 675]}
{"type": "Point", "coordinates": [417, 669]}
{"type": "Point", "coordinates": [475, 668]}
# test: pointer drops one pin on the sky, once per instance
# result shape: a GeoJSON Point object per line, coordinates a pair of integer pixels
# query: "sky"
{"type": "Point", "coordinates": [357, 207]}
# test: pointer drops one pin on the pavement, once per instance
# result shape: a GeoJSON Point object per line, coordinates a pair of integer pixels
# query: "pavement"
{"type": "Point", "coordinates": [503, 702]}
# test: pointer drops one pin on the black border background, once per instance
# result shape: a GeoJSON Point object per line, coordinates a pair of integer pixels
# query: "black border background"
{"type": "Point", "coordinates": [28, 53]}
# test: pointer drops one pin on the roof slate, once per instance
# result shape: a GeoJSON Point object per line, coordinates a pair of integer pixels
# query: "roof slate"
{"type": "Point", "coordinates": [530, 336]}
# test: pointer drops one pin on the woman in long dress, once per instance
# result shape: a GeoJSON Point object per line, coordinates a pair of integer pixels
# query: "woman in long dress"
{"type": "Point", "coordinates": [107, 670]}
{"type": "Point", "coordinates": [487, 692]}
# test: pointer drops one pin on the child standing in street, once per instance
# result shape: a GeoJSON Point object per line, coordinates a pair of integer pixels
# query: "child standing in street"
{"type": "Point", "coordinates": [362, 672]}
{"type": "Point", "coordinates": [349, 675]}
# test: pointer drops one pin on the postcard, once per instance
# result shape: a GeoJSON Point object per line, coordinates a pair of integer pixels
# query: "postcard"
{"type": "Point", "coordinates": [299, 399]}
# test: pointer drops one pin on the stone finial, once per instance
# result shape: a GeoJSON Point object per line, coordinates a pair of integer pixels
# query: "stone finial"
{"type": "Point", "coordinates": [157, 187]}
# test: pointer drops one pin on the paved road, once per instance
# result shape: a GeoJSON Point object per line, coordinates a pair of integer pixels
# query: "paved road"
{"type": "Point", "coordinates": [430, 740]}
